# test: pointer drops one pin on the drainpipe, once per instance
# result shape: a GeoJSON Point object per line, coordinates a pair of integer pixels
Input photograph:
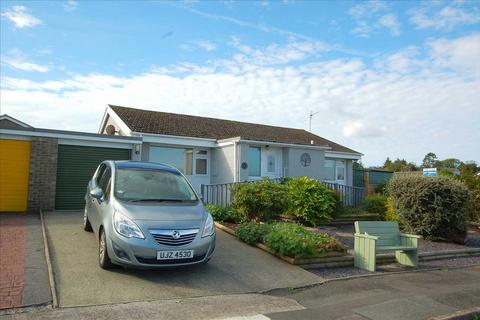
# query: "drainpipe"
{"type": "Point", "coordinates": [235, 161]}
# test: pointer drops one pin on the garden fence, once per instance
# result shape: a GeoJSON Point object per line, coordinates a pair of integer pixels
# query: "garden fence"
{"type": "Point", "coordinates": [221, 193]}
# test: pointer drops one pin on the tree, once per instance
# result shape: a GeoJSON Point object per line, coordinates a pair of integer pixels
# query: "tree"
{"type": "Point", "coordinates": [449, 163]}
{"type": "Point", "coordinates": [429, 160]}
{"type": "Point", "coordinates": [357, 164]}
{"type": "Point", "coordinates": [399, 165]}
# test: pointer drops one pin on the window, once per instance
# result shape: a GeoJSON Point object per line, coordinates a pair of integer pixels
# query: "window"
{"type": "Point", "coordinates": [201, 162]}
{"type": "Point", "coordinates": [340, 170]}
{"type": "Point", "coordinates": [182, 159]}
{"type": "Point", "coordinates": [104, 181]}
{"type": "Point", "coordinates": [100, 173]}
{"type": "Point", "coordinates": [188, 161]}
{"type": "Point", "coordinates": [271, 163]}
{"type": "Point", "coordinates": [329, 169]}
{"type": "Point", "coordinates": [254, 160]}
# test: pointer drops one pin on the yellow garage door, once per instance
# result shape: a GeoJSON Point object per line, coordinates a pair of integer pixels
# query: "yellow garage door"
{"type": "Point", "coordinates": [14, 171]}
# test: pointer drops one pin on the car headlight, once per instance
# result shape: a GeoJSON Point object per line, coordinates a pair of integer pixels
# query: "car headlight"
{"type": "Point", "coordinates": [126, 227]}
{"type": "Point", "coordinates": [209, 228]}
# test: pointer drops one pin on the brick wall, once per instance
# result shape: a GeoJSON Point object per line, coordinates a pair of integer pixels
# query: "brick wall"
{"type": "Point", "coordinates": [43, 174]}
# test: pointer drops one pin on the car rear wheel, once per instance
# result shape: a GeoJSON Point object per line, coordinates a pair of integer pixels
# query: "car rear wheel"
{"type": "Point", "coordinates": [103, 257]}
{"type": "Point", "coordinates": [86, 223]}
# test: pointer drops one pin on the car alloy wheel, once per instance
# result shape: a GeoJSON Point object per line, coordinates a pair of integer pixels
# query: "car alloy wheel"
{"type": "Point", "coordinates": [103, 258]}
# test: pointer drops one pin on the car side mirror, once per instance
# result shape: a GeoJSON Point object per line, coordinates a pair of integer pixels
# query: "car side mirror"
{"type": "Point", "coordinates": [97, 193]}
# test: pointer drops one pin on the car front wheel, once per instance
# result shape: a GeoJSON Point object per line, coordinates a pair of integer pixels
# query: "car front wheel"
{"type": "Point", "coordinates": [103, 257]}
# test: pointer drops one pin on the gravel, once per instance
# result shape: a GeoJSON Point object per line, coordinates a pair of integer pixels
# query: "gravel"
{"type": "Point", "coordinates": [335, 273]}
{"type": "Point", "coordinates": [344, 233]}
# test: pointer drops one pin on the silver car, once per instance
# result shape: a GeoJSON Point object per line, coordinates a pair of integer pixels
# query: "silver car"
{"type": "Point", "coordinates": [146, 215]}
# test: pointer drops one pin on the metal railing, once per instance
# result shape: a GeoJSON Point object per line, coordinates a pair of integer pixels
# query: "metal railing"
{"type": "Point", "coordinates": [221, 193]}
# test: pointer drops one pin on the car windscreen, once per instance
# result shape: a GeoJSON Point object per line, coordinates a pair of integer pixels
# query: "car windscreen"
{"type": "Point", "coordinates": [135, 184]}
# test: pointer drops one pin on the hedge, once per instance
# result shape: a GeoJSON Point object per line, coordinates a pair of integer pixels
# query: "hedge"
{"type": "Point", "coordinates": [433, 207]}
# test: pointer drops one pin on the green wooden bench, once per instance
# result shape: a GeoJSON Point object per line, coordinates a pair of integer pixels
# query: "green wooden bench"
{"type": "Point", "coordinates": [376, 236]}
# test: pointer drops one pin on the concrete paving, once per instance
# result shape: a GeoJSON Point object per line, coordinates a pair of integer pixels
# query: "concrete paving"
{"type": "Point", "coordinates": [215, 307]}
{"type": "Point", "coordinates": [418, 295]}
{"type": "Point", "coordinates": [235, 268]}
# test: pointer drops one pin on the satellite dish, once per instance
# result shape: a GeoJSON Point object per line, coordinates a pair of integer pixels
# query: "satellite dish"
{"type": "Point", "coordinates": [110, 130]}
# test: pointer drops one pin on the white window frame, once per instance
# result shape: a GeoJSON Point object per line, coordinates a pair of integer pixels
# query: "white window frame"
{"type": "Point", "coordinates": [201, 156]}
{"type": "Point", "coordinates": [339, 164]}
{"type": "Point", "coordinates": [194, 157]}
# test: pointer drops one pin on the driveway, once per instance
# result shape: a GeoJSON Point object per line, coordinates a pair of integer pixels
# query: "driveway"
{"type": "Point", "coordinates": [23, 271]}
{"type": "Point", "coordinates": [235, 268]}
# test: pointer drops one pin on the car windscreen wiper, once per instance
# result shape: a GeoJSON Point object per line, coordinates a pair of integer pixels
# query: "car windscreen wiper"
{"type": "Point", "coordinates": [156, 200]}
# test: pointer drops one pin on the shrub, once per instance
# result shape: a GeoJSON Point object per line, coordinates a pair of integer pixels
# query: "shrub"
{"type": "Point", "coordinates": [474, 206]}
{"type": "Point", "coordinates": [381, 188]}
{"type": "Point", "coordinates": [293, 240]}
{"type": "Point", "coordinates": [376, 203]}
{"type": "Point", "coordinates": [310, 200]}
{"type": "Point", "coordinates": [221, 214]}
{"type": "Point", "coordinates": [263, 200]}
{"type": "Point", "coordinates": [433, 207]}
{"type": "Point", "coordinates": [253, 232]}
{"type": "Point", "coordinates": [392, 215]}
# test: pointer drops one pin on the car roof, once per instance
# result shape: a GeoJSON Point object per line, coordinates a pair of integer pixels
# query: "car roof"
{"type": "Point", "coordinates": [144, 165]}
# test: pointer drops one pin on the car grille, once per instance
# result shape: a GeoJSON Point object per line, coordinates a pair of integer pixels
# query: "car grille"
{"type": "Point", "coordinates": [172, 261]}
{"type": "Point", "coordinates": [165, 237]}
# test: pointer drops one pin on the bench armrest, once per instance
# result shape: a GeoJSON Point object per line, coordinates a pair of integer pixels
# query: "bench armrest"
{"type": "Point", "coordinates": [406, 235]}
{"type": "Point", "coordinates": [366, 236]}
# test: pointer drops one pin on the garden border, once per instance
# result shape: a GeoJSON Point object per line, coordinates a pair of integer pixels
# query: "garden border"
{"type": "Point", "coordinates": [334, 259]}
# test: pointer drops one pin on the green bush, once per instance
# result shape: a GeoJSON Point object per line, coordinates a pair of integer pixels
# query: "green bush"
{"type": "Point", "coordinates": [473, 208]}
{"type": "Point", "coordinates": [376, 203]}
{"type": "Point", "coordinates": [310, 200]}
{"type": "Point", "coordinates": [293, 240]}
{"type": "Point", "coordinates": [433, 207]}
{"type": "Point", "coordinates": [253, 232]}
{"type": "Point", "coordinates": [263, 200]}
{"type": "Point", "coordinates": [381, 188]}
{"type": "Point", "coordinates": [221, 214]}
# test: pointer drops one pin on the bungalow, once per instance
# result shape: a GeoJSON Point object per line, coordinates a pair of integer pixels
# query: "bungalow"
{"type": "Point", "coordinates": [211, 151]}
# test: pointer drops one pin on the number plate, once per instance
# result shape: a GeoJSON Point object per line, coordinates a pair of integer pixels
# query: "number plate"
{"type": "Point", "coordinates": [176, 254]}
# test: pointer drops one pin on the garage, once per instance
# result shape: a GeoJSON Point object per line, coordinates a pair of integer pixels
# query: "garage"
{"type": "Point", "coordinates": [14, 173]}
{"type": "Point", "coordinates": [76, 165]}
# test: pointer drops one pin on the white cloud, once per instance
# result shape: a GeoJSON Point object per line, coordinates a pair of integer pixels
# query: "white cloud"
{"type": "Point", "coordinates": [20, 17]}
{"type": "Point", "coordinates": [378, 111]}
{"type": "Point", "coordinates": [365, 9]}
{"type": "Point", "coordinates": [390, 22]}
{"type": "Point", "coordinates": [446, 18]}
{"type": "Point", "coordinates": [206, 45]}
{"type": "Point", "coordinates": [70, 5]}
{"type": "Point", "coordinates": [21, 64]}
{"type": "Point", "coordinates": [359, 129]}
{"type": "Point", "coordinates": [462, 54]}
{"type": "Point", "coordinates": [372, 16]}
{"type": "Point", "coordinates": [276, 54]}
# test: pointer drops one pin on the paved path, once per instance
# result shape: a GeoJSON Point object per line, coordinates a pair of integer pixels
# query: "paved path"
{"type": "Point", "coordinates": [235, 268]}
{"type": "Point", "coordinates": [418, 295]}
{"type": "Point", "coordinates": [23, 273]}
{"type": "Point", "coordinates": [415, 296]}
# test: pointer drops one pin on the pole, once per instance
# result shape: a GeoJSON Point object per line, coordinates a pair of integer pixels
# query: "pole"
{"type": "Point", "coordinates": [310, 122]}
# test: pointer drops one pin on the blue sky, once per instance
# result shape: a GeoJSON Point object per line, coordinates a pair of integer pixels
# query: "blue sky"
{"type": "Point", "coordinates": [395, 79]}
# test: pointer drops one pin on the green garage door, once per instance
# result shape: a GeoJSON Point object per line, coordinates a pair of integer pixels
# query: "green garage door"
{"type": "Point", "coordinates": [76, 165]}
